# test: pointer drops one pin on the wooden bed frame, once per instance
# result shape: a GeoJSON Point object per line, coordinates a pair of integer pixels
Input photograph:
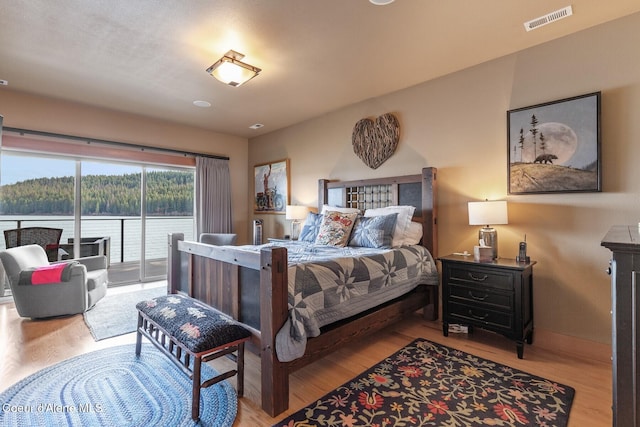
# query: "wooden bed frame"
{"type": "Point", "coordinates": [252, 287]}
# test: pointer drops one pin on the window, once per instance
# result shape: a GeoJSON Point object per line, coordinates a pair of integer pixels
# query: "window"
{"type": "Point", "coordinates": [132, 204]}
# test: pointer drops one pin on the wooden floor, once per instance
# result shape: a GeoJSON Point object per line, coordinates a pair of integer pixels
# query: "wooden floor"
{"type": "Point", "coordinates": [27, 346]}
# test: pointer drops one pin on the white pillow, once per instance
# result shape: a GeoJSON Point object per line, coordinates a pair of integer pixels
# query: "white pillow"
{"type": "Point", "coordinates": [327, 208]}
{"type": "Point", "coordinates": [413, 234]}
{"type": "Point", "coordinates": [405, 213]}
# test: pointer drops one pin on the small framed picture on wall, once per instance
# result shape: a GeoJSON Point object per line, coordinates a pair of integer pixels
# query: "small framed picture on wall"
{"type": "Point", "coordinates": [271, 187]}
{"type": "Point", "coordinates": [555, 147]}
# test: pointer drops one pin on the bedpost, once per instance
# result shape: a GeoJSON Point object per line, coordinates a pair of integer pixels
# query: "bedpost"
{"type": "Point", "coordinates": [173, 263]}
{"type": "Point", "coordinates": [429, 210]}
{"type": "Point", "coordinates": [323, 193]}
{"type": "Point", "coordinates": [274, 311]}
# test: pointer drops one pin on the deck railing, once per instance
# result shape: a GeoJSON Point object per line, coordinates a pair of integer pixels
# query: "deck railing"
{"type": "Point", "coordinates": [125, 232]}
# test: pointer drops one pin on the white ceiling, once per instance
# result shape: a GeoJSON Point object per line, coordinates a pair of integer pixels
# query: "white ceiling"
{"type": "Point", "coordinates": [149, 56]}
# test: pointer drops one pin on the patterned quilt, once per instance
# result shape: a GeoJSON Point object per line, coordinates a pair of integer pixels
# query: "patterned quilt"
{"type": "Point", "coordinates": [327, 284]}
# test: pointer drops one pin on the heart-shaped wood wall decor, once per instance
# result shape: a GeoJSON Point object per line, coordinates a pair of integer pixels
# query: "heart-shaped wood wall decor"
{"type": "Point", "coordinates": [375, 141]}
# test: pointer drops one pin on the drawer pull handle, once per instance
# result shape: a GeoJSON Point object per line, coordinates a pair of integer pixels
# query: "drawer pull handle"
{"type": "Point", "coordinates": [478, 298]}
{"type": "Point", "coordinates": [478, 317]}
{"type": "Point", "coordinates": [478, 278]}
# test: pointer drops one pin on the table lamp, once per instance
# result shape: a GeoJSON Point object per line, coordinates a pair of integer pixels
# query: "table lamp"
{"type": "Point", "coordinates": [295, 213]}
{"type": "Point", "coordinates": [488, 213]}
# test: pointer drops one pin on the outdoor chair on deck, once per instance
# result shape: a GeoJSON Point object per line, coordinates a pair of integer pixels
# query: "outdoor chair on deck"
{"type": "Point", "coordinates": [43, 290]}
{"type": "Point", "coordinates": [47, 238]}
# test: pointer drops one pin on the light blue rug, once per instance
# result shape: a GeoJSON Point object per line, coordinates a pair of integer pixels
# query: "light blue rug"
{"type": "Point", "coordinates": [116, 314]}
{"type": "Point", "coordinates": [112, 387]}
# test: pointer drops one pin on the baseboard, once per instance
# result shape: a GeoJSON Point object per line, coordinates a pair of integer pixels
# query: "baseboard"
{"type": "Point", "coordinates": [577, 347]}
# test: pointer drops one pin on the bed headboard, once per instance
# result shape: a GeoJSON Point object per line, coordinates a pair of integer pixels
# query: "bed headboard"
{"type": "Point", "coordinates": [415, 190]}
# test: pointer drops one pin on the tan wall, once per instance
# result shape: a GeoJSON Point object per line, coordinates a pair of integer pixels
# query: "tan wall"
{"type": "Point", "coordinates": [26, 111]}
{"type": "Point", "coordinates": [457, 123]}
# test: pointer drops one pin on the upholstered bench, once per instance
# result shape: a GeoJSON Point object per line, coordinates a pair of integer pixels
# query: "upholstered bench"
{"type": "Point", "coordinates": [189, 333]}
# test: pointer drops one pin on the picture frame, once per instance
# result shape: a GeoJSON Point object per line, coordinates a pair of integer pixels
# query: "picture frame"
{"type": "Point", "coordinates": [271, 193]}
{"type": "Point", "coordinates": [554, 147]}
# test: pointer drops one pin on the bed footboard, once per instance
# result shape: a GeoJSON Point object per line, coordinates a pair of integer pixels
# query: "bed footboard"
{"type": "Point", "coordinates": [219, 276]}
{"type": "Point", "coordinates": [227, 279]}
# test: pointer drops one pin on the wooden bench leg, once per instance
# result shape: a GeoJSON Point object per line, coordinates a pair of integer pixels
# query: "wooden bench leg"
{"type": "Point", "coordinates": [139, 335]}
{"type": "Point", "coordinates": [195, 398]}
{"type": "Point", "coordinates": [240, 370]}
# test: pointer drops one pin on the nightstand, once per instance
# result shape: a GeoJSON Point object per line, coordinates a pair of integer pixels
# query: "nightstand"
{"type": "Point", "coordinates": [496, 296]}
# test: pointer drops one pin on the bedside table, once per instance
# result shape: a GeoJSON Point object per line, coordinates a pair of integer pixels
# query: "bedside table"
{"type": "Point", "coordinates": [496, 296]}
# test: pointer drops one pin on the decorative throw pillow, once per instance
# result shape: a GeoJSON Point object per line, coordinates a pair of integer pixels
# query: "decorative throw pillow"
{"type": "Point", "coordinates": [373, 232]}
{"type": "Point", "coordinates": [310, 228]}
{"type": "Point", "coordinates": [405, 213]}
{"type": "Point", "coordinates": [327, 208]}
{"type": "Point", "coordinates": [335, 228]}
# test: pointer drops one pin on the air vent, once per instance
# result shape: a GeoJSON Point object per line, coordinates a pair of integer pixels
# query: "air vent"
{"type": "Point", "coordinates": [548, 18]}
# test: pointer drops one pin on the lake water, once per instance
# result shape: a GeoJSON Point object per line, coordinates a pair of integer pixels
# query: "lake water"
{"type": "Point", "coordinates": [157, 231]}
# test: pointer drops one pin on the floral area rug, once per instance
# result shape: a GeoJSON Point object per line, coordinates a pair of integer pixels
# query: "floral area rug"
{"type": "Point", "coordinates": [427, 384]}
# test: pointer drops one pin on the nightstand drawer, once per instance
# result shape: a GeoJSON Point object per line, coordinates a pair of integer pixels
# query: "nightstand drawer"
{"type": "Point", "coordinates": [481, 316]}
{"type": "Point", "coordinates": [481, 277]}
{"type": "Point", "coordinates": [481, 296]}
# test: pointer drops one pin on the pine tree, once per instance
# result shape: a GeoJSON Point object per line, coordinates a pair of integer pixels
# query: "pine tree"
{"type": "Point", "coordinates": [534, 132]}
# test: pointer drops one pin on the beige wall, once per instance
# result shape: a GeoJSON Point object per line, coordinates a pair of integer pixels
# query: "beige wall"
{"type": "Point", "coordinates": [457, 123]}
{"type": "Point", "coordinates": [26, 111]}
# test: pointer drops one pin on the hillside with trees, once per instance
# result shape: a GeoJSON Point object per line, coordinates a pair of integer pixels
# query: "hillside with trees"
{"type": "Point", "coordinates": [169, 193]}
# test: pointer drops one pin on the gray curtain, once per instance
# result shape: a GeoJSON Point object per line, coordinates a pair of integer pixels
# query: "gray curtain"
{"type": "Point", "coordinates": [213, 196]}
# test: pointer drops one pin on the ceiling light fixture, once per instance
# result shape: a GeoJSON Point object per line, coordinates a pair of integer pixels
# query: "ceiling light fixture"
{"type": "Point", "coordinates": [202, 104]}
{"type": "Point", "coordinates": [231, 71]}
{"type": "Point", "coordinates": [381, 2]}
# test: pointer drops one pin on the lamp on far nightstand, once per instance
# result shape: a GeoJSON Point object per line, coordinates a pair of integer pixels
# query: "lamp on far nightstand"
{"type": "Point", "coordinates": [488, 213]}
{"type": "Point", "coordinates": [295, 213]}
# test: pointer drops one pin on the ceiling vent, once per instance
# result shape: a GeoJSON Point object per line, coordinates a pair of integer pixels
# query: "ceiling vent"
{"type": "Point", "coordinates": [548, 18]}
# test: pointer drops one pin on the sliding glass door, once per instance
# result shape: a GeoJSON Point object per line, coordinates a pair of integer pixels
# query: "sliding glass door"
{"type": "Point", "coordinates": [125, 210]}
{"type": "Point", "coordinates": [37, 191]}
{"type": "Point", "coordinates": [110, 216]}
{"type": "Point", "coordinates": [167, 208]}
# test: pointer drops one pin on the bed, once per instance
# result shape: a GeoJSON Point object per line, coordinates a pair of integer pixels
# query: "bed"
{"type": "Point", "coordinates": [253, 284]}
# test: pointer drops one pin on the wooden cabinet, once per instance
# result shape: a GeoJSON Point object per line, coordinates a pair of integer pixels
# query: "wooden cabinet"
{"type": "Point", "coordinates": [496, 296]}
{"type": "Point", "coordinates": [624, 243]}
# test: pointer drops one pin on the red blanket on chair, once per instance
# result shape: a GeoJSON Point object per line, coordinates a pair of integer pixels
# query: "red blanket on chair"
{"type": "Point", "coordinates": [54, 273]}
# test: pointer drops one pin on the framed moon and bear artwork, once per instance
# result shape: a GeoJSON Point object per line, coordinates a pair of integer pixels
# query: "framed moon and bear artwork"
{"type": "Point", "coordinates": [555, 147]}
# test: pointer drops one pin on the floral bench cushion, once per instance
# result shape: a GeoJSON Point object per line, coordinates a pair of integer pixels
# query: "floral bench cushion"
{"type": "Point", "coordinates": [192, 323]}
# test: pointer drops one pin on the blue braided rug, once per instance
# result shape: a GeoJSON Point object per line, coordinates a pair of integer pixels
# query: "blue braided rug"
{"type": "Point", "coordinates": [112, 387]}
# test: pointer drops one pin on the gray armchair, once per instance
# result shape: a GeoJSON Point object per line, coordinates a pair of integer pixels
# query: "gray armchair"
{"type": "Point", "coordinates": [86, 284]}
{"type": "Point", "coordinates": [218, 239]}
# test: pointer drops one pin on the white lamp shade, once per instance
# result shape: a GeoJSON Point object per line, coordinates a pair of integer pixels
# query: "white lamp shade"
{"type": "Point", "coordinates": [488, 212]}
{"type": "Point", "coordinates": [296, 212]}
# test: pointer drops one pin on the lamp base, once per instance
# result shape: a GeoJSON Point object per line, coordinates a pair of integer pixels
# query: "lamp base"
{"type": "Point", "coordinates": [490, 237]}
{"type": "Point", "coordinates": [295, 229]}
